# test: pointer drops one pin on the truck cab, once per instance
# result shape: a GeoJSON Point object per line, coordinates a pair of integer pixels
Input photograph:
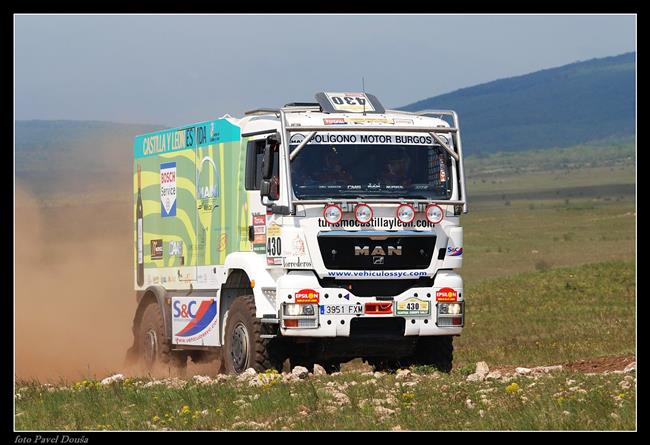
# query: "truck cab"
{"type": "Point", "coordinates": [349, 243]}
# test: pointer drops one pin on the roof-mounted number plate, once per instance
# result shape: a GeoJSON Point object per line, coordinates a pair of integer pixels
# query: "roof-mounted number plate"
{"type": "Point", "coordinates": [349, 103]}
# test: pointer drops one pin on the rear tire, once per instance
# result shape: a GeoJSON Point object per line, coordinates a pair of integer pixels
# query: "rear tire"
{"type": "Point", "coordinates": [154, 349]}
{"type": "Point", "coordinates": [244, 347]}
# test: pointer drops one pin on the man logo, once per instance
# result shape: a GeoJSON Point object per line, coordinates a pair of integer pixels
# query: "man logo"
{"type": "Point", "coordinates": [377, 251]}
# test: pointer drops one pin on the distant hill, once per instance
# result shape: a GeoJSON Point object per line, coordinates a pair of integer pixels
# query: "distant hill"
{"type": "Point", "coordinates": [556, 107]}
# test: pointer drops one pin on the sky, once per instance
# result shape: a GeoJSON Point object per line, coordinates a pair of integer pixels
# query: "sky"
{"type": "Point", "coordinates": [177, 69]}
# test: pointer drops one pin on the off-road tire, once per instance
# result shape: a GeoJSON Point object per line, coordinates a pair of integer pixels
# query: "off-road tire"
{"type": "Point", "coordinates": [152, 345]}
{"type": "Point", "coordinates": [437, 351]}
{"type": "Point", "coordinates": [243, 346]}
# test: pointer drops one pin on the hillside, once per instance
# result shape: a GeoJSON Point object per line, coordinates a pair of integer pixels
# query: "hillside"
{"type": "Point", "coordinates": [556, 107]}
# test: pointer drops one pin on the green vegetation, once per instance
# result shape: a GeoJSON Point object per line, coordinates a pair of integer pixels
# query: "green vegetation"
{"type": "Point", "coordinates": [349, 401]}
{"type": "Point", "coordinates": [557, 107]}
{"type": "Point", "coordinates": [550, 317]}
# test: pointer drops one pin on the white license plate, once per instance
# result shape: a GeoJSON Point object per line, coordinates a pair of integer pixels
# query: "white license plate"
{"type": "Point", "coordinates": [341, 309]}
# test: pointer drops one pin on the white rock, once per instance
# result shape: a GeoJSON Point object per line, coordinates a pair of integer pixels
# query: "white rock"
{"type": "Point", "coordinates": [319, 370]}
{"type": "Point", "coordinates": [382, 411]}
{"type": "Point", "coordinates": [547, 369]}
{"type": "Point", "coordinates": [250, 373]}
{"type": "Point", "coordinates": [523, 371]}
{"type": "Point", "coordinates": [112, 379]}
{"type": "Point", "coordinates": [378, 374]}
{"type": "Point", "coordinates": [402, 374]}
{"type": "Point", "coordinates": [469, 403]}
{"type": "Point", "coordinates": [631, 367]}
{"type": "Point", "coordinates": [482, 369]}
{"type": "Point", "coordinates": [202, 379]}
{"type": "Point", "coordinates": [493, 375]}
{"type": "Point", "coordinates": [300, 371]}
{"type": "Point", "coordinates": [475, 378]}
{"type": "Point", "coordinates": [481, 412]}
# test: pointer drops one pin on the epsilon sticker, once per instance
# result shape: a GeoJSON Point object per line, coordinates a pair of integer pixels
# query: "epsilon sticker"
{"type": "Point", "coordinates": [446, 295]}
{"type": "Point", "coordinates": [307, 296]}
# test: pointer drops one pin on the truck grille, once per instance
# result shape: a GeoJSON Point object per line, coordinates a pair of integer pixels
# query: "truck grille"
{"type": "Point", "coordinates": [364, 253]}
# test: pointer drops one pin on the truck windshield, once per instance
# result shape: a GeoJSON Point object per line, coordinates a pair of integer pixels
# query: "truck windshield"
{"type": "Point", "coordinates": [367, 171]}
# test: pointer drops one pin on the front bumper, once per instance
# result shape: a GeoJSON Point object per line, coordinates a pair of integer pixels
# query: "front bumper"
{"type": "Point", "coordinates": [408, 305]}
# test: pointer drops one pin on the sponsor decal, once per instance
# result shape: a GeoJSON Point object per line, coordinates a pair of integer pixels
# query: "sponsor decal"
{"type": "Point", "coordinates": [194, 319]}
{"type": "Point", "coordinates": [307, 296]}
{"type": "Point", "coordinates": [259, 229]}
{"type": "Point", "coordinates": [274, 261]}
{"type": "Point", "coordinates": [156, 249]}
{"type": "Point", "coordinates": [368, 120]}
{"type": "Point", "coordinates": [334, 121]}
{"type": "Point", "coordinates": [274, 230]}
{"type": "Point", "coordinates": [298, 246]}
{"type": "Point", "coordinates": [207, 188]}
{"type": "Point", "coordinates": [454, 251]}
{"type": "Point", "coordinates": [297, 263]}
{"type": "Point", "coordinates": [403, 121]}
{"type": "Point", "coordinates": [176, 248]}
{"type": "Point", "coordinates": [388, 223]}
{"type": "Point", "coordinates": [365, 138]}
{"type": "Point", "coordinates": [168, 189]}
{"type": "Point", "coordinates": [446, 295]}
{"type": "Point", "coordinates": [378, 273]}
{"type": "Point", "coordinates": [413, 306]}
{"type": "Point", "coordinates": [443, 168]}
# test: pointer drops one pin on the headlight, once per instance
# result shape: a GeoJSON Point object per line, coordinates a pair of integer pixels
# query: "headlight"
{"type": "Point", "coordinates": [295, 309]}
{"type": "Point", "coordinates": [363, 213]}
{"type": "Point", "coordinates": [405, 213]}
{"type": "Point", "coordinates": [332, 213]}
{"type": "Point", "coordinates": [434, 213]}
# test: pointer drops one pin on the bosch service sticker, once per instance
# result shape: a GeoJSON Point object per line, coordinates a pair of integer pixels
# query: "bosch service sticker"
{"type": "Point", "coordinates": [168, 189]}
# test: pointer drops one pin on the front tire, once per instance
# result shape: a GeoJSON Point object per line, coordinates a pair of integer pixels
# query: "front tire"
{"type": "Point", "coordinates": [244, 346]}
{"type": "Point", "coordinates": [437, 351]}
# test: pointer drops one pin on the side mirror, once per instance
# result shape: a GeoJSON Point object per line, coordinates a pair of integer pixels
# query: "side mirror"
{"type": "Point", "coordinates": [269, 154]}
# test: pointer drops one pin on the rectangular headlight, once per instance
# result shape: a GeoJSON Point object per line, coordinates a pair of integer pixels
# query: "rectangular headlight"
{"type": "Point", "coordinates": [296, 309]}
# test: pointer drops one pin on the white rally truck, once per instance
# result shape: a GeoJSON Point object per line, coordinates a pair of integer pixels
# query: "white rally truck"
{"type": "Point", "coordinates": [316, 232]}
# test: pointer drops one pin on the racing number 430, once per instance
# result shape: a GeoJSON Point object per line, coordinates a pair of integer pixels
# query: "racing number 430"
{"type": "Point", "coordinates": [273, 246]}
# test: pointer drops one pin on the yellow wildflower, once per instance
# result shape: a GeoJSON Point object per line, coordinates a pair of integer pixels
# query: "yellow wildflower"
{"type": "Point", "coordinates": [513, 387]}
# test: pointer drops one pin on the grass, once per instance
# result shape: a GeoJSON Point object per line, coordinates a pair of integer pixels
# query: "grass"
{"type": "Point", "coordinates": [545, 219]}
{"type": "Point", "coordinates": [550, 316]}
{"type": "Point", "coordinates": [344, 402]}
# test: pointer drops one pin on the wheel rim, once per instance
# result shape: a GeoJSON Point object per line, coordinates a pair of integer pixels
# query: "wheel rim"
{"type": "Point", "coordinates": [150, 347]}
{"type": "Point", "coordinates": [239, 348]}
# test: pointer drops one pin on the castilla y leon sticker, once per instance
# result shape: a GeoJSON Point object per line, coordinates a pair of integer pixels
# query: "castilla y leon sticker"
{"type": "Point", "coordinates": [446, 295]}
{"type": "Point", "coordinates": [307, 296]}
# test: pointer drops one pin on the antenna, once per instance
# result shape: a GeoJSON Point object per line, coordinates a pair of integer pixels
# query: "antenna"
{"type": "Point", "coordinates": [363, 87]}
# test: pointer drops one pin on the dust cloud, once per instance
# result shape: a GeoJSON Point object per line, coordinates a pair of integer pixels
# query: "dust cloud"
{"type": "Point", "coordinates": [74, 299]}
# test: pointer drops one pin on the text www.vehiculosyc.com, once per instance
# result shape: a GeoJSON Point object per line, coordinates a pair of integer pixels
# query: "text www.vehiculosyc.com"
{"type": "Point", "coordinates": [377, 273]}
